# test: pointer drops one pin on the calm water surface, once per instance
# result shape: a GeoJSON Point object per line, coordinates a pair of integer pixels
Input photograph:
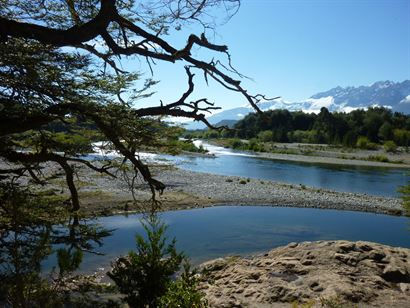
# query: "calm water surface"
{"type": "Point", "coordinates": [369, 180]}
{"type": "Point", "coordinates": [225, 230]}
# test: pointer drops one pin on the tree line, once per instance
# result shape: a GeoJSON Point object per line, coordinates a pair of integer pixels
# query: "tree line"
{"type": "Point", "coordinates": [361, 128]}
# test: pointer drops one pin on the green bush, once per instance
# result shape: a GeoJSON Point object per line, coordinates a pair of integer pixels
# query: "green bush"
{"type": "Point", "coordinates": [265, 136]}
{"type": "Point", "coordinates": [183, 292]}
{"type": "Point", "coordinates": [390, 146]}
{"type": "Point", "coordinates": [185, 145]}
{"type": "Point", "coordinates": [364, 143]}
{"type": "Point", "coordinates": [236, 144]}
{"type": "Point", "coordinates": [144, 276]}
{"type": "Point", "coordinates": [405, 196]}
{"type": "Point", "coordinates": [401, 137]}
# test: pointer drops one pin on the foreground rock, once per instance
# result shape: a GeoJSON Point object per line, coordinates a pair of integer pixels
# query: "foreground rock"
{"type": "Point", "coordinates": [323, 274]}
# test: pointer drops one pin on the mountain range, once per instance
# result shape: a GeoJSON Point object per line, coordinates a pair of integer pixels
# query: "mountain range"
{"type": "Point", "coordinates": [392, 95]}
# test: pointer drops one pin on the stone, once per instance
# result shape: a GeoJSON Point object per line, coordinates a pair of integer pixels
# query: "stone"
{"type": "Point", "coordinates": [393, 273]}
{"type": "Point", "coordinates": [363, 274]}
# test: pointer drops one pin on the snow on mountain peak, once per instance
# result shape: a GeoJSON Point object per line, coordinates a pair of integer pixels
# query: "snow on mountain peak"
{"type": "Point", "coordinates": [392, 95]}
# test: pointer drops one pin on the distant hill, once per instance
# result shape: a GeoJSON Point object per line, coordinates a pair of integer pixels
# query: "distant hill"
{"type": "Point", "coordinates": [394, 95]}
{"type": "Point", "coordinates": [229, 123]}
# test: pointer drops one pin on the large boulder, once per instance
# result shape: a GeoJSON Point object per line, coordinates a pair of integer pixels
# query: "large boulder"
{"type": "Point", "coordinates": [319, 273]}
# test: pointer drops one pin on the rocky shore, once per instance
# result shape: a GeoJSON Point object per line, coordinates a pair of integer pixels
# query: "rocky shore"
{"type": "Point", "coordinates": [186, 189]}
{"type": "Point", "coordinates": [316, 274]}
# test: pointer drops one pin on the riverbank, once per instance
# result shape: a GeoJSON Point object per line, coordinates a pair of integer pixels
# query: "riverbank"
{"type": "Point", "coordinates": [102, 195]}
{"type": "Point", "coordinates": [328, 154]}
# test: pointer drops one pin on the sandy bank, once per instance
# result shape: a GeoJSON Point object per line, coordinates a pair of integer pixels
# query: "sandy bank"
{"type": "Point", "coordinates": [186, 189]}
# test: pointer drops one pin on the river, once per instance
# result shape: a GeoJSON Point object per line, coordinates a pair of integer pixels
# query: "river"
{"type": "Point", "coordinates": [356, 179]}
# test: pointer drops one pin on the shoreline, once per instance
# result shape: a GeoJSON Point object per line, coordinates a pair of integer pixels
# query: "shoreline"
{"type": "Point", "coordinates": [188, 189]}
{"type": "Point", "coordinates": [330, 160]}
{"type": "Point", "coordinates": [101, 195]}
{"type": "Point", "coordinates": [327, 155]}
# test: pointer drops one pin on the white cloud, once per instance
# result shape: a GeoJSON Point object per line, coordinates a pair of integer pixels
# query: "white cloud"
{"type": "Point", "coordinates": [321, 102]}
{"type": "Point", "coordinates": [405, 100]}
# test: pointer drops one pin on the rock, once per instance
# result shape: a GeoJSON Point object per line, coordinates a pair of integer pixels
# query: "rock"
{"type": "Point", "coordinates": [292, 245]}
{"type": "Point", "coordinates": [393, 273]}
{"type": "Point", "coordinates": [363, 273]}
{"type": "Point", "coordinates": [377, 255]}
{"type": "Point", "coordinates": [404, 287]}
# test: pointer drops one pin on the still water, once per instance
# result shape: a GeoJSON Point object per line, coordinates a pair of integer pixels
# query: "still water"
{"type": "Point", "coordinates": [234, 230]}
{"type": "Point", "coordinates": [356, 179]}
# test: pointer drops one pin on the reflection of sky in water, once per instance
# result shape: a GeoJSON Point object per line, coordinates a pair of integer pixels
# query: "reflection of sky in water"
{"type": "Point", "coordinates": [214, 232]}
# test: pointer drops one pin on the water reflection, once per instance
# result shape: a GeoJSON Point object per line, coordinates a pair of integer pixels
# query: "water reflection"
{"type": "Point", "coordinates": [214, 232]}
{"type": "Point", "coordinates": [30, 231]}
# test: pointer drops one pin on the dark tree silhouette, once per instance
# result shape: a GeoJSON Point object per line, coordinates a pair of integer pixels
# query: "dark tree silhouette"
{"type": "Point", "coordinates": [62, 60]}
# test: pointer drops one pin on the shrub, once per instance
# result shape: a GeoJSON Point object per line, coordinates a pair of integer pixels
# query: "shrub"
{"type": "Point", "coordinates": [390, 146]}
{"type": "Point", "coordinates": [364, 143]}
{"type": "Point", "coordinates": [236, 144]}
{"type": "Point", "coordinates": [186, 145]}
{"type": "Point", "coordinates": [242, 182]}
{"type": "Point", "coordinates": [405, 196]}
{"type": "Point", "coordinates": [265, 136]}
{"type": "Point", "coordinates": [183, 292]}
{"type": "Point", "coordinates": [401, 137]}
{"type": "Point", "coordinates": [144, 276]}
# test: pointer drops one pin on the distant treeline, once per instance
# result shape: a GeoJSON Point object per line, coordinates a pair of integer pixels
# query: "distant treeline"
{"type": "Point", "coordinates": [362, 128]}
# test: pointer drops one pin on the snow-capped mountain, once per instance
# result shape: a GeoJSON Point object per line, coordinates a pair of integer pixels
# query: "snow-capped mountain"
{"type": "Point", "coordinates": [393, 95]}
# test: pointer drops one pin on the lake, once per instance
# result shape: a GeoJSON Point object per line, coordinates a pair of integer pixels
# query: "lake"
{"type": "Point", "coordinates": [235, 230]}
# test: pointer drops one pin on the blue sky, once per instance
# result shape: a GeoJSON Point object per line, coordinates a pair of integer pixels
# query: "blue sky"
{"type": "Point", "coordinates": [296, 48]}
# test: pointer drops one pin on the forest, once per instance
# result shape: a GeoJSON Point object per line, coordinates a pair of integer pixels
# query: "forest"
{"type": "Point", "coordinates": [359, 128]}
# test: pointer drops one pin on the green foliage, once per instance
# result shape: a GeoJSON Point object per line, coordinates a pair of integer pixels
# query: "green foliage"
{"type": "Point", "coordinates": [254, 145]}
{"type": "Point", "coordinates": [405, 196]}
{"type": "Point", "coordinates": [265, 136]}
{"type": "Point", "coordinates": [386, 131]}
{"type": "Point", "coordinates": [390, 146]}
{"type": "Point", "coordinates": [68, 261]}
{"type": "Point", "coordinates": [364, 143]}
{"type": "Point", "coordinates": [144, 276]}
{"type": "Point", "coordinates": [183, 292]}
{"type": "Point", "coordinates": [401, 137]}
{"type": "Point", "coordinates": [176, 146]}
{"type": "Point", "coordinates": [376, 124]}
{"type": "Point", "coordinates": [30, 225]}
{"type": "Point", "coordinates": [236, 144]}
